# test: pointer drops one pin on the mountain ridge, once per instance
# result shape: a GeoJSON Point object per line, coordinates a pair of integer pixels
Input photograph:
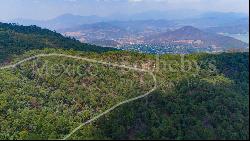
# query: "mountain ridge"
{"type": "Point", "coordinates": [192, 33]}
{"type": "Point", "coordinates": [16, 39]}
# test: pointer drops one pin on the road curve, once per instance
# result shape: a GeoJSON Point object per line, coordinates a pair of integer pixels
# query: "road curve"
{"type": "Point", "coordinates": [92, 61]}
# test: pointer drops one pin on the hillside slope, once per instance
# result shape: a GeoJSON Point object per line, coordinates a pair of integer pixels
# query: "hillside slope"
{"type": "Point", "coordinates": [16, 39]}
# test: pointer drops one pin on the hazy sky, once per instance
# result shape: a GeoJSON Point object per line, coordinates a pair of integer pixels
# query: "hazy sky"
{"type": "Point", "coordinates": [46, 9]}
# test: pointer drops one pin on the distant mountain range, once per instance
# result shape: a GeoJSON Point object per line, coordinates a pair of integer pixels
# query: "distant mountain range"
{"type": "Point", "coordinates": [61, 22]}
{"type": "Point", "coordinates": [242, 27]}
{"type": "Point", "coordinates": [215, 19]}
{"type": "Point", "coordinates": [195, 30]}
{"type": "Point", "coordinates": [177, 18]}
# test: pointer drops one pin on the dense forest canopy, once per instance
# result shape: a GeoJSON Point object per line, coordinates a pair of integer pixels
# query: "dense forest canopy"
{"type": "Point", "coordinates": [199, 96]}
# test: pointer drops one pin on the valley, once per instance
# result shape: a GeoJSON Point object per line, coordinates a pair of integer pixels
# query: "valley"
{"type": "Point", "coordinates": [183, 40]}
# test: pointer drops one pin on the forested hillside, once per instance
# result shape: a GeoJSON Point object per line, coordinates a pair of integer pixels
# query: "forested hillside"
{"type": "Point", "coordinates": [15, 39]}
{"type": "Point", "coordinates": [198, 96]}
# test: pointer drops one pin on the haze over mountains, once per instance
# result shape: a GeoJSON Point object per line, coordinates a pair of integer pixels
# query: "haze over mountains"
{"type": "Point", "coordinates": [200, 20]}
{"type": "Point", "coordinates": [155, 29]}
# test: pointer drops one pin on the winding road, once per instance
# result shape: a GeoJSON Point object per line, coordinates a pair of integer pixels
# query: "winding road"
{"type": "Point", "coordinates": [92, 61]}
